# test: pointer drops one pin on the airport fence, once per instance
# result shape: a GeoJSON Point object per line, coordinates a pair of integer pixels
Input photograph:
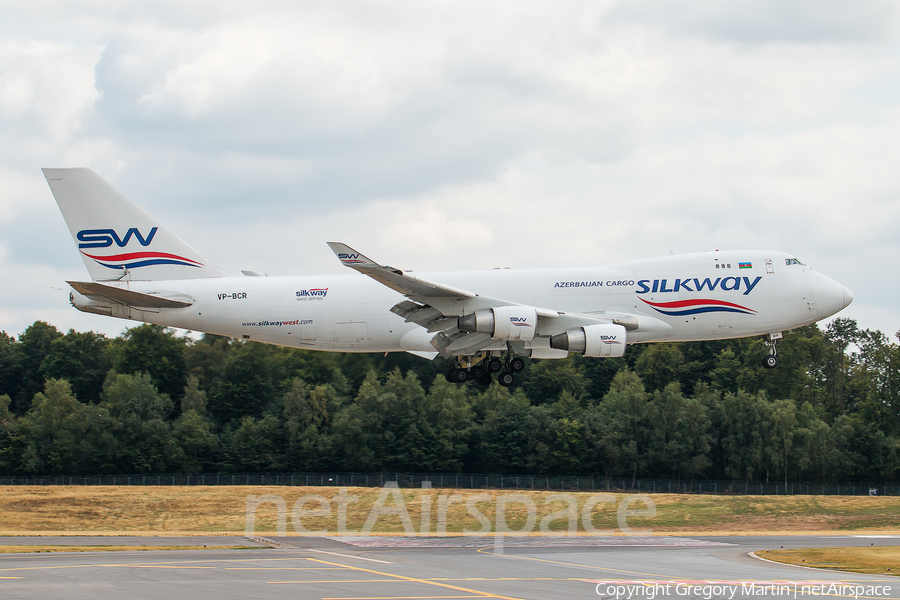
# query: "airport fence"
{"type": "Point", "coordinates": [475, 481]}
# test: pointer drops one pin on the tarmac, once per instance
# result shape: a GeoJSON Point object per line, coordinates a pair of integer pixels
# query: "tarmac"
{"type": "Point", "coordinates": [411, 568]}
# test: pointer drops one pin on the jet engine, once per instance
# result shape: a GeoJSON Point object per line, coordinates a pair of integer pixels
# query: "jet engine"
{"type": "Point", "coordinates": [513, 323]}
{"type": "Point", "coordinates": [597, 341]}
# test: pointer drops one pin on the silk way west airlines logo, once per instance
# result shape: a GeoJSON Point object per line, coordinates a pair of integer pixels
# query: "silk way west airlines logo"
{"type": "Point", "coordinates": [681, 308]}
{"type": "Point", "coordinates": [105, 238]}
{"type": "Point", "coordinates": [696, 306]}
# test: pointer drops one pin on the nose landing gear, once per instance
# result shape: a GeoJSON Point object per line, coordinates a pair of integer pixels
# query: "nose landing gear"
{"type": "Point", "coordinates": [770, 360]}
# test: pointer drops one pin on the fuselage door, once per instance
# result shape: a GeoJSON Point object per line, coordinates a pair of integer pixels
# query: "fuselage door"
{"type": "Point", "coordinates": [350, 334]}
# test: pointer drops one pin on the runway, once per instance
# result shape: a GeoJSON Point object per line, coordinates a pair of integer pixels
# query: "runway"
{"type": "Point", "coordinates": [431, 568]}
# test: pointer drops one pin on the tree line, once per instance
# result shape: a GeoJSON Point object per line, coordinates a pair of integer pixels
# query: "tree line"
{"type": "Point", "coordinates": [151, 401]}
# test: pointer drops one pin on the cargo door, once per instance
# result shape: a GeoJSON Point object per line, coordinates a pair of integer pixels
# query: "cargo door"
{"type": "Point", "coordinates": [350, 334]}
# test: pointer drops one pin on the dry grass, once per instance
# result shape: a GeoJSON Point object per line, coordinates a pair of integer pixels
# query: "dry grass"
{"type": "Point", "coordinates": [32, 549]}
{"type": "Point", "coordinates": [884, 560]}
{"type": "Point", "coordinates": [209, 510]}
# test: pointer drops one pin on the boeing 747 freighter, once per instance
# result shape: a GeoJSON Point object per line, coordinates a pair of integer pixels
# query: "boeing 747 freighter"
{"type": "Point", "coordinates": [484, 322]}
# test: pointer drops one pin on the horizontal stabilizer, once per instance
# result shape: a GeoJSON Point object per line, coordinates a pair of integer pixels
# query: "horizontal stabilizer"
{"type": "Point", "coordinates": [127, 297]}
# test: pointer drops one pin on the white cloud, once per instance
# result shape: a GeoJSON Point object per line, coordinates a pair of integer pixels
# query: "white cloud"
{"type": "Point", "coordinates": [46, 87]}
{"type": "Point", "coordinates": [465, 134]}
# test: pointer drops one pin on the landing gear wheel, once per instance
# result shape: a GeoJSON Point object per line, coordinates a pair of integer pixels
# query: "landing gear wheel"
{"type": "Point", "coordinates": [770, 361]}
{"type": "Point", "coordinates": [485, 380]}
{"type": "Point", "coordinates": [506, 379]}
{"type": "Point", "coordinates": [476, 372]}
{"type": "Point", "coordinates": [449, 375]}
{"type": "Point", "coordinates": [516, 364]}
{"type": "Point", "coordinates": [495, 365]}
{"type": "Point", "coordinates": [459, 375]}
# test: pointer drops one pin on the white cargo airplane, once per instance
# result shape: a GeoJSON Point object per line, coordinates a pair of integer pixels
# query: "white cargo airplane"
{"type": "Point", "coordinates": [483, 321]}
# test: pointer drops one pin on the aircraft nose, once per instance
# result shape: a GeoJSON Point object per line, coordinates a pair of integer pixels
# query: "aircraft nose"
{"type": "Point", "coordinates": [848, 297]}
{"type": "Point", "coordinates": [830, 296]}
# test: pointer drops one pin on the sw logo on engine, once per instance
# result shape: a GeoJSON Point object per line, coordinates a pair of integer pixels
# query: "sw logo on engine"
{"type": "Point", "coordinates": [104, 238]}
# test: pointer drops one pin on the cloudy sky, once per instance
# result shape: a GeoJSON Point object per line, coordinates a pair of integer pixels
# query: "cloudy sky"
{"type": "Point", "coordinates": [449, 135]}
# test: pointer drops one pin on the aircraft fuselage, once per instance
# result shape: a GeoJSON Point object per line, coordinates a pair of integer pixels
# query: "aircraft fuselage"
{"type": "Point", "coordinates": [703, 296]}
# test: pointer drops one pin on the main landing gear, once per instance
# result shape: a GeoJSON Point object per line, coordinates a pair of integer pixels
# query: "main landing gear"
{"type": "Point", "coordinates": [481, 368]}
{"type": "Point", "coordinates": [770, 360]}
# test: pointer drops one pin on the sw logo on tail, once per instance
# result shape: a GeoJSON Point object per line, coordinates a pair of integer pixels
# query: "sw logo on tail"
{"type": "Point", "coordinates": [104, 238]}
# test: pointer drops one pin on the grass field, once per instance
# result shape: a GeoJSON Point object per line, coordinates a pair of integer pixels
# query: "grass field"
{"type": "Point", "coordinates": [209, 510]}
{"type": "Point", "coordinates": [878, 561]}
{"type": "Point", "coordinates": [33, 549]}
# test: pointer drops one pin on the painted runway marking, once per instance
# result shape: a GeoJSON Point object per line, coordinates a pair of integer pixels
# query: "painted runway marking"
{"type": "Point", "coordinates": [556, 562]}
{"type": "Point", "coordinates": [398, 597]}
{"type": "Point", "coordinates": [384, 562]}
{"type": "Point", "coordinates": [478, 593]}
{"type": "Point", "coordinates": [341, 581]}
{"type": "Point", "coordinates": [526, 542]}
{"type": "Point", "coordinates": [284, 568]}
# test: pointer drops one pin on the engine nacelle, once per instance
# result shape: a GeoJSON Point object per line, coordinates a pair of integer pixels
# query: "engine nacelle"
{"type": "Point", "coordinates": [513, 323]}
{"type": "Point", "coordinates": [597, 341]}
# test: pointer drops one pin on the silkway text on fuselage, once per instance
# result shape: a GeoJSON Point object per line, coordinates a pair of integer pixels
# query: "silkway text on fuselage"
{"type": "Point", "coordinates": [726, 284]}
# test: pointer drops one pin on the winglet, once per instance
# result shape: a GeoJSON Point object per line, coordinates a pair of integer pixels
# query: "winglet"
{"type": "Point", "coordinates": [350, 257]}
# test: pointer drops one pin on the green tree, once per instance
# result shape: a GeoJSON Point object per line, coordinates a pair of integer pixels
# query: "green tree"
{"type": "Point", "coordinates": [194, 398]}
{"type": "Point", "coordinates": [10, 372]}
{"type": "Point", "coordinates": [59, 434]}
{"type": "Point", "coordinates": [811, 444]}
{"type": "Point", "coordinates": [139, 413]}
{"type": "Point", "coordinates": [253, 445]}
{"type": "Point", "coordinates": [447, 419]}
{"type": "Point", "coordinates": [660, 365]}
{"type": "Point", "coordinates": [33, 347]}
{"type": "Point", "coordinates": [740, 423]}
{"type": "Point", "coordinates": [840, 334]}
{"type": "Point", "coordinates": [197, 444]}
{"type": "Point", "coordinates": [307, 415]}
{"type": "Point", "coordinates": [619, 427]}
{"type": "Point", "coordinates": [248, 385]}
{"type": "Point", "coordinates": [876, 376]}
{"type": "Point", "coordinates": [82, 359]}
{"type": "Point", "coordinates": [547, 379]}
{"type": "Point", "coordinates": [154, 349]}
{"type": "Point", "coordinates": [782, 427]}
{"type": "Point", "coordinates": [207, 359]}
{"type": "Point", "coordinates": [508, 436]}
{"type": "Point", "coordinates": [680, 441]}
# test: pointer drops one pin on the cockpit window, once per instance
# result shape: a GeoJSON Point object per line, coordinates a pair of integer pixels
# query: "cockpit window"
{"type": "Point", "coordinates": [792, 261]}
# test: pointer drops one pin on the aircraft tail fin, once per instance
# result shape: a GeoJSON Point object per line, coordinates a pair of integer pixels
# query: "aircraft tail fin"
{"type": "Point", "coordinates": [116, 238]}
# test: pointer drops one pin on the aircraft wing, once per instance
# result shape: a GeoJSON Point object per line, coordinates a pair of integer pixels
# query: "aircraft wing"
{"type": "Point", "coordinates": [405, 283]}
{"type": "Point", "coordinates": [437, 307]}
